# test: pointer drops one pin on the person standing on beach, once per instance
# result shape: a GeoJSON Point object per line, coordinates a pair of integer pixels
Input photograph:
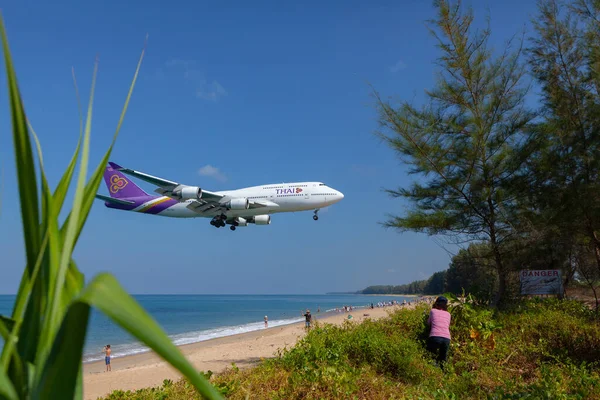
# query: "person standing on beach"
{"type": "Point", "coordinates": [438, 341]}
{"type": "Point", "coordinates": [266, 321]}
{"type": "Point", "coordinates": [308, 319]}
{"type": "Point", "coordinates": [107, 351]}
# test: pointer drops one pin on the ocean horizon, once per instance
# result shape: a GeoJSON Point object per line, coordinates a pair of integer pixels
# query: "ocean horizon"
{"type": "Point", "coordinates": [189, 318]}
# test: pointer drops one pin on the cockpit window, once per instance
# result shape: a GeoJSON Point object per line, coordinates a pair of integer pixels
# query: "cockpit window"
{"type": "Point", "coordinates": [321, 184]}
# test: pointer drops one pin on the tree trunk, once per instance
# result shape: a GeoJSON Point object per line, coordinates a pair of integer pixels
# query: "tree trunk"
{"type": "Point", "coordinates": [497, 256]}
{"type": "Point", "coordinates": [499, 268]}
{"type": "Point", "coordinates": [596, 248]}
{"type": "Point", "coordinates": [500, 295]}
{"type": "Point", "coordinates": [596, 298]}
{"type": "Point", "coordinates": [595, 241]}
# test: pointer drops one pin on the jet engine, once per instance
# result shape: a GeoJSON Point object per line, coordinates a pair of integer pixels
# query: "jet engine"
{"type": "Point", "coordinates": [239, 221]}
{"type": "Point", "coordinates": [240, 203]}
{"type": "Point", "coordinates": [188, 193]}
{"type": "Point", "coordinates": [262, 220]}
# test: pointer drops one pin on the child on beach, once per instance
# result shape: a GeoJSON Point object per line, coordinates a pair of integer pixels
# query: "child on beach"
{"type": "Point", "coordinates": [266, 321]}
{"type": "Point", "coordinates": [438, 341]}
{"type": "Point", "coordinates": [106, 350]}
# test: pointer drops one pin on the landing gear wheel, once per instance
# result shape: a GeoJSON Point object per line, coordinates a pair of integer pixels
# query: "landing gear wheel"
{"type": "Point", "coordinates": [316, 217]}
{"type": "Point", "coordinates": [232, 227]}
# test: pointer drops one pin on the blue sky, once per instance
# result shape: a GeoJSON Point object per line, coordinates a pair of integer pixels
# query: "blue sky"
{"type": "Point", "coordinates": [230, 96]}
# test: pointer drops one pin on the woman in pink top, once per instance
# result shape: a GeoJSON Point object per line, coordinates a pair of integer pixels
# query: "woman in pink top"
{"type": "Point", "coordinates": [439, 335]}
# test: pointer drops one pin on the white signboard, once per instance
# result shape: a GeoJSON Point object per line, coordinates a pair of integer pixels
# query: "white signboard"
{"type": "Point", "coordinates": [544, 281]}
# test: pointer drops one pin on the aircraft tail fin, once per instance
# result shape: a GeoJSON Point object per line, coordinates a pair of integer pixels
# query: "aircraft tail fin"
{"type": "Point", "coordinates": [119, 186]}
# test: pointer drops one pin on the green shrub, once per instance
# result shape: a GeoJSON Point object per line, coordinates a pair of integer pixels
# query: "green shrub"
{"type": "Point", "coordinates": [538, 349]}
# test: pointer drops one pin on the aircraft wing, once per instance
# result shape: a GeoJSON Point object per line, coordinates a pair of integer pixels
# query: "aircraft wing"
{"type": "Point", "coordinates": [209, 203]}
{"type": "Point", "coordinates": [208, 208]}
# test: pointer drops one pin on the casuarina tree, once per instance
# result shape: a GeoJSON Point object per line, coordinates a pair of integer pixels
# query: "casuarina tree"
{"type": "Point", "coordinates": [462, 143]}
{"type": "Point", "coordinates": [565, 60]}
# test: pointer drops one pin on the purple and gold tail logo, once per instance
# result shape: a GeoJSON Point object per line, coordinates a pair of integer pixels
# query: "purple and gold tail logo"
{"type": "Point", "coordinates": [117, 183]}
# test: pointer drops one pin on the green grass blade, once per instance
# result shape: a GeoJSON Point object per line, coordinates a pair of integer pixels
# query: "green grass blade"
{"type": "Point", "coordinates": [6, 326]}
{"type": "Point", "coordinates": [74, 283]}
{"type": "Point", "coordinates": [39, 333]}
{"type": "Point", "coordinates": [55, 312]}
{"type": "Point", "coordinates": [79, 387]}
{"type": "Point", "coordinates": [22, 301]}
{"type": "Point", "coordinates": [60, 193]}
{"type": "Point", "coordinates": [59, 375]}
{"type": "Point", "coordinates": [7, 390]}
{"type": "Point", "coordinates": [45, 187]}
{"type": "Point", "coordinates": [79, 108]}
{"type": "Point", "coordinates": [18, 374]}
{"type": "Point", "coordinates": [16, 370]}
{"type": "Point", "coordinates": [26, 175]}
{"type": "Point", "coordinates": [49, 221]}
{"type": "Point", "coordinates": [105, 293]}
{"type": "Point", "coordinates": [29, 330]}
{"type": "Point", "coordinates": [94, 182]}
{"type": "Point", "coordinates": [126, 105]}
{"type": "Point", "coordinates": [26, 178]}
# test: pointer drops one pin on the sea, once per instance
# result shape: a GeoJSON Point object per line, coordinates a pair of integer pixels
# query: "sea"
{"type": "Point", "coordinates": [195, 318]}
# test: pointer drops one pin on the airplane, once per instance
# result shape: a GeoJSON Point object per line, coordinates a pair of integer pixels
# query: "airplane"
{"type": "Point", "coordinates": [251, 205]}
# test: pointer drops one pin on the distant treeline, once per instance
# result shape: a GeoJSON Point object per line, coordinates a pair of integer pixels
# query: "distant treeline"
{"type": "Point", "coordinates": [471, 270]}
{"type": "Point", "coordinates": [433, 285]}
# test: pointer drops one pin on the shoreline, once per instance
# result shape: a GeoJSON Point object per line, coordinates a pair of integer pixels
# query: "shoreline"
{"type": "Point", "coordinates": [142, 349]}
{"type": "Point", "coordinates": [137, 371]}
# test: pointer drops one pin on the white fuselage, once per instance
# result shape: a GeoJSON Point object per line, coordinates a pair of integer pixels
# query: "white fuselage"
{"type": "Point", "coordinates": [283, 197]}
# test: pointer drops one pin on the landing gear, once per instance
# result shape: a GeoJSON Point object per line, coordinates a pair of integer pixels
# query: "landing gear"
{"type": "Point", "coordinates": [219, 222]}
{"type": "Point", "coordinates": [316, 217]}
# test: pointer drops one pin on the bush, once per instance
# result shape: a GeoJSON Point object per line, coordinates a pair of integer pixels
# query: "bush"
{"type": "Point", "coordinates": [537, 349]}
{"type": "Point", "coordinates": [373, 343]}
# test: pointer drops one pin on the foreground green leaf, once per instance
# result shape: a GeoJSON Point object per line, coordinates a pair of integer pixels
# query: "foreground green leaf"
{"type": "Point", "coordinates": [26, 175]}
{"type": "Point", "coordinates": [94, 183]}
{"type": "Point", "coordinates": [7, 390]}
{"type": "Point", "coordinates": [105, 293]}
{"type": "Point", "coordinates": [6, 326]}
{"type": "Point", "coordinates": [61, 190]}
{"type": "Point", "coordinates": [45, 337]}
{"type": "Point", "coordinates": [44, 286]}
{"type": "Point", "coordinates": [55, 311]}
{"type": "Point", "coordinates": [59, 376]}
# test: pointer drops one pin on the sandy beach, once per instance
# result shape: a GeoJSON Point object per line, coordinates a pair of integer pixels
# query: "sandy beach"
{"type": "Point", "coordinates": [246, 349]}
